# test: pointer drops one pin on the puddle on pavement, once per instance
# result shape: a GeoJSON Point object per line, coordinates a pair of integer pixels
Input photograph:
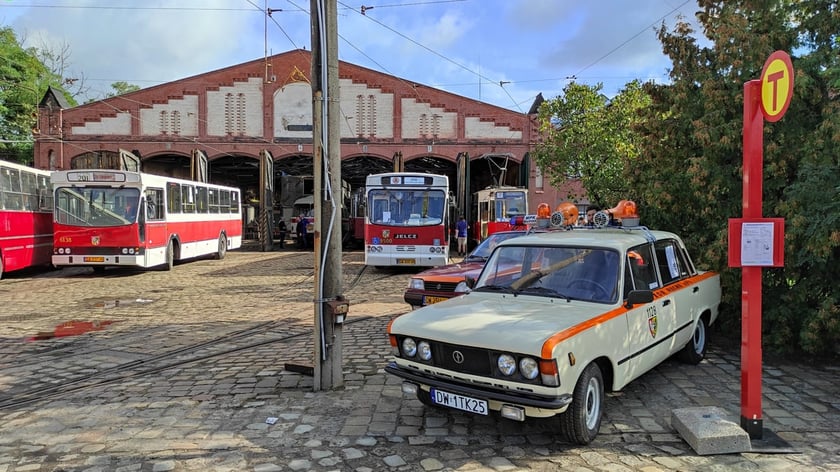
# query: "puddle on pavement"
{"type": "Point", "coordinates": [71, 328]}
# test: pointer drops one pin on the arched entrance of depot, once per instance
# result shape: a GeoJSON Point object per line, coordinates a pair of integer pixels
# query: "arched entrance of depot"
{"type": "Point", "coordinates": [355, 169]}
{"type": "Point", "coordinates": [497, 169]}
{"type": "Point", "coordinates": [167, 164]}
{"type": "Point", "coordinates": [433, 165]}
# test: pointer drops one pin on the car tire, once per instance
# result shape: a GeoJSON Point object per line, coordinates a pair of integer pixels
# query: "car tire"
{"type": "Point", "coordinates": [426, 398]}
{"type": "Point", "coordinates": [695, 350]}
{"type": "Point", "coordinates": [580, 423]}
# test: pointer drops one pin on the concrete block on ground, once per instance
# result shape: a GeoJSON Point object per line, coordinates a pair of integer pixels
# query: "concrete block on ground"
{"type": "Point", "coordinates": [710, 430]}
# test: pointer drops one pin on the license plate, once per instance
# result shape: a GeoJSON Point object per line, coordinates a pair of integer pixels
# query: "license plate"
{"type": "Point", "coordinates": [431, 300]}
{"type": "Point", "coordinates": [406, 261]}
{"type": "Point", "coordinates": [95, 259]}
{"type": "Point", "coordinates": [459, 402]}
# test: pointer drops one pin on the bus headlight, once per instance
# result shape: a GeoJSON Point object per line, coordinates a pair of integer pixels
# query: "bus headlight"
{"type": "Point", "coordinates": [416, 284]}
{"type": "Point", "coordinates": [506, 364]}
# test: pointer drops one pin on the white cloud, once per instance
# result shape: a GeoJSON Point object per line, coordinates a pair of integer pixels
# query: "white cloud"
{"type": "Point", "coordinates": [534, 45]}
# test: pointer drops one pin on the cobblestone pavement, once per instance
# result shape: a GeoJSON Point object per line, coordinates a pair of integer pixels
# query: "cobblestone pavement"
{"type": "Point", "coordinates": [188, 366]}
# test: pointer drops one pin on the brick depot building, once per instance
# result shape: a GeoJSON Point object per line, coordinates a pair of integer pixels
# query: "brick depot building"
{"type": "Point", "coordinates": [235, 115]}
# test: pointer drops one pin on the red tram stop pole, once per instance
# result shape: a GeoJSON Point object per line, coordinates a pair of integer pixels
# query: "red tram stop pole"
{"type": "Point", "coordinates": [754, 241]}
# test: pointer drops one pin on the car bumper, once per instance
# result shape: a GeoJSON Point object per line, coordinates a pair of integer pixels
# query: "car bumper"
{"type": "Point", "coordinates": [543, 402]}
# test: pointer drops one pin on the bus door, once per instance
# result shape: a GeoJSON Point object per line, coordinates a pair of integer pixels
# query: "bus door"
{"type": "Point", "coordinates": [154, 232]}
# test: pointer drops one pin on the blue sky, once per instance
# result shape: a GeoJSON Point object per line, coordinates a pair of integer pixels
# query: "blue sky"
{"type": "Point", "coordinates": [499, 52]}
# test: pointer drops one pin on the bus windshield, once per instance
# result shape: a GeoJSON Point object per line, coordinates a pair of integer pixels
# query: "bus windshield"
{"type": "Point", "coordinates": [406, 207]}
{"type": "Point", "coordinates": [96, 206]}
{"type": "Point", "coordinates": [509, 204]}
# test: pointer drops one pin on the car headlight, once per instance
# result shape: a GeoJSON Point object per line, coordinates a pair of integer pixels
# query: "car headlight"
{"type": "Point", "coordinates": [507, 364]}
{"type": "Point", "coordinates": [409, 347]}
{"type": "Point", "coordinates": [529, 368]}
{"type": "Point", "coordinates": [462, 287]}
{"type": "Point", "coordinates": [416, 284]}
{"type": "Point", "coordinates": [425, 350]}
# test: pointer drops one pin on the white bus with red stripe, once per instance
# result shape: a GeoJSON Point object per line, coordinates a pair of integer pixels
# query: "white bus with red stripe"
{"type": "Point", "coordinates": [25, 217]}
{"type": "Point", "coordinates": [129, 219]}
{"type": "Point", "coordinates": [407, 219]}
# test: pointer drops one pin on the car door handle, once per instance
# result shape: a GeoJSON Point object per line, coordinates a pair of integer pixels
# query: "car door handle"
{"type": "Point", "coordinates": [695, 289]}
{"type": "Point", "coordinates": [666, 303]}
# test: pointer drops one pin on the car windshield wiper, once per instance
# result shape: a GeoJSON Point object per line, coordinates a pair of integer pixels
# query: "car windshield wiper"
{"type": "Point", "coordinates": [475, 258]}
{"type": "Point", "coordinates": [545, 291]}
{"type": "Point", "coordinates": [496, 288]}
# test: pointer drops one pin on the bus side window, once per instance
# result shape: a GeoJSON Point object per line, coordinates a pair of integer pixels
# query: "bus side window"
{"type": "Point", "coordinates": [11, 190]}
{"type": "Point", "coordinates": [174, 201]}
{"type": "Point", "coordinates": [154, 204]}
{"type": "Point", "coordinates": [187, 199]}
{"type": "Point", "coordinates": [213, 197]}
{"type": "Point", "coordinates": [201, 200]}
{"type": "Point", "coordinates": [234, 203]}
{"type": "Point", "coordinates": [224, 204]}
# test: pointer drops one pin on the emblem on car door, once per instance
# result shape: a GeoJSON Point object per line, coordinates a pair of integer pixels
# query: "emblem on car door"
{"type": "Point", "coordinates": [652, 323]}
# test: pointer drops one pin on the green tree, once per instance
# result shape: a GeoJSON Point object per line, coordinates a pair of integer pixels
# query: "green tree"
{"type": "Point", "coordinates": [23, 81]}
{"type": "Point", "coordinates": [121, 88]}
{"type": "Point", "coordinates": [689, 174]}
{"type": "Point", "coordinates": [586, 135]}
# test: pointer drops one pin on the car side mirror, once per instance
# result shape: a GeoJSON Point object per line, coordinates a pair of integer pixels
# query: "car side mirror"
{"type": "Point", "coordinates": [470, 281]}
{"type": "Point", "coordinates": [637, 297]}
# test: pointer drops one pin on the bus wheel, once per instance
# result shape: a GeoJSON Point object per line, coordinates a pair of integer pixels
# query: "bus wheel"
{"type": "Point", "coordinates": [1, 266]}
{"type": "Point", "coordinates": [220, 254]}
{"type": "Point", "coordinates": [170, 256]}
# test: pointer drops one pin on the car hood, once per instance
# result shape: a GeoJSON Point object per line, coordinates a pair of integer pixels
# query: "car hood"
{"type": "Point", "coordinates": [500, 321]}
{"type": "Point", "coordinates": [459, 271]}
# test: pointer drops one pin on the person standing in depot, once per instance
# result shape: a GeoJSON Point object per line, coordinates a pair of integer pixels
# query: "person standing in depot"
{"type": "Point", "coordinates": [282, 230]}
{"type": "Point", "coordinates": [461, 232]}
{"type": "Point", "coordinates": [301, 232]}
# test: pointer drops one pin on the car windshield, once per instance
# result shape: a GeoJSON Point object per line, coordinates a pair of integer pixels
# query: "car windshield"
{"type": "Point", "coordinates": [483, 250]}
{"type": "Point", "coordinates": [589, 274]}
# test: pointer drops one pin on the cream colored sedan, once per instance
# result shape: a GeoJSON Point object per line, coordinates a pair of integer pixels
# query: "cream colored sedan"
{"type": "Point", "coordinates": [553, 321]}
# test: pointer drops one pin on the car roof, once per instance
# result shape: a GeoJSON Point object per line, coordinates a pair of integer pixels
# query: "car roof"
{"type": "Point", "coordinates": [611, 237]}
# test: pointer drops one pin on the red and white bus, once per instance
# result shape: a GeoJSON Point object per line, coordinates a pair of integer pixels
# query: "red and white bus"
{"type": "Point", "coordinates": [25, 217]}
{"type": "Point", "coordinates": [130, 219]}
{"type": "Point", "coordinates": [494, 208]}
{"type": "Point", "coordinates": [407, 219]}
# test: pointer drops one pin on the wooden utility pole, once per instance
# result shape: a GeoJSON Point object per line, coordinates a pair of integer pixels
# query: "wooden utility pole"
{"type": "Point", "coordinates": [330, 305]}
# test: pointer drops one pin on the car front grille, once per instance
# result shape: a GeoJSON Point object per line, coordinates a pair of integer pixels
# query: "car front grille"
{"type": "Point", "coordinates": [441, 286]}
{"type": "Point", "coordinates": [463, 359]}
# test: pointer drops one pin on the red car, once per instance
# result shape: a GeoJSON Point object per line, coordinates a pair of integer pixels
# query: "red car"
{"type": "Point", "coordinates": [442, 283]}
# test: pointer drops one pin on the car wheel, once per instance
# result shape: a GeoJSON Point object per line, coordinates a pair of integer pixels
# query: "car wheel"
{"type": "Point", "coordinates": [222, 250]}
{"type": "Point", "coordinates": [582, 420]}
{"type": "Point", "coordinates": [695, 350]}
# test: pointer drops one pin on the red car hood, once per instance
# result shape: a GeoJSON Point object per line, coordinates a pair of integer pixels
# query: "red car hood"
{"type": "Point", "coordinates": [453, 271]}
